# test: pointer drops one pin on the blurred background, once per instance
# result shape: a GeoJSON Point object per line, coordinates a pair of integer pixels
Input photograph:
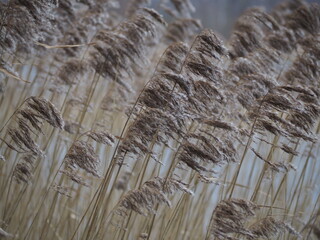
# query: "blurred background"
{"type": "Point", "coordinates": [220, 15]}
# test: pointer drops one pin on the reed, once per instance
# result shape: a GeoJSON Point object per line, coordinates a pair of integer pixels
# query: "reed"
{"type": "Point", "coordinates": [124, 124]}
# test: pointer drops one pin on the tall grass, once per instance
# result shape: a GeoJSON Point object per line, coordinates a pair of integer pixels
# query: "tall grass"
{"type": "Point", "coordinates": [119, 124]}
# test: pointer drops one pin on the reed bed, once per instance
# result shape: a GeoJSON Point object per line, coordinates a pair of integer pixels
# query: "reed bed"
{"type": "Point", "coordinates": [124, 124]}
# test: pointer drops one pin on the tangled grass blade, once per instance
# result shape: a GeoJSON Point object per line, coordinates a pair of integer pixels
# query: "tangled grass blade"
{"type": "Point", "coordinates": [4, 234]}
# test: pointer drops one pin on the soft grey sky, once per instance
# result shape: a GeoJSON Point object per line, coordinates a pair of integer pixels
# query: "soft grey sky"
{"type": "Point", "coordinates": [221, 14]}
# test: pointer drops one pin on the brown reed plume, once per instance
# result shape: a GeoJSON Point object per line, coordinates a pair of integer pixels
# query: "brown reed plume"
{"type": "Point", "coordinates": [144, 199]}
{"type": "Point", "coordinates": [230, 216]}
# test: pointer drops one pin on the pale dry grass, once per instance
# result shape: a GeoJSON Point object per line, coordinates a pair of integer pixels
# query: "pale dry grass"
{"type": "Point", "coordinates": [126, 126]}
